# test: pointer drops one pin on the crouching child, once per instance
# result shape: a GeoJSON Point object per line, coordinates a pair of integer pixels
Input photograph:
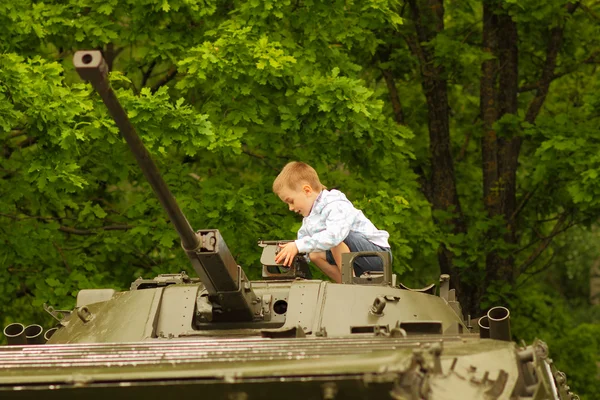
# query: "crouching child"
{"type": "Point", "coordinates": [331, 225]}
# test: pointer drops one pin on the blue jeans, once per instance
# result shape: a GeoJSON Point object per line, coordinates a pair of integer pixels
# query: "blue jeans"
{"type": "Point", "coordinates": [357, 242]}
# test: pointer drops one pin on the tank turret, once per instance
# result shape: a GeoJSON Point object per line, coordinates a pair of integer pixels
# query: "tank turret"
{"type": "Point", "coordinates": [221, 336]}
{"type": "Point", "coordinates": [228, 288]}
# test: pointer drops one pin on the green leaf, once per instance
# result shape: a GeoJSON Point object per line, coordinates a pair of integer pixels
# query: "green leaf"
{"type": "Point", "coordinates": [52, 282]}
{"type": "Point", "coordinates": [99, 212]}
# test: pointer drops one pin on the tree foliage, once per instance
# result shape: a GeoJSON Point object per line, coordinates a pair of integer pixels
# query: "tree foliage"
{"type": "Point", "coordinates": [467, 129]}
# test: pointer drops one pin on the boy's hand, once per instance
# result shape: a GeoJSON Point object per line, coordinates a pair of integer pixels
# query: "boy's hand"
{"type": "Point", "coordinates": [286, 254]}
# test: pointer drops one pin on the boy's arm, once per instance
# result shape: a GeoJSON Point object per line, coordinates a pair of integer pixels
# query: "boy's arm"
{"type": "Point", "coordinates": [302, 232]}
{"type": "Point", "coordinates": [338, 217]}
{"type": "Point", "coordinates": [288, 251]}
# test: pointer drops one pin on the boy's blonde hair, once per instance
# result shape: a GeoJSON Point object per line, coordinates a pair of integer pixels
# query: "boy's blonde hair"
{"type": "Point", "coordinates": [294, 174]}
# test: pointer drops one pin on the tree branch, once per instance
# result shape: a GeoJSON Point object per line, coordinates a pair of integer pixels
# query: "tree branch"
{"type": "Point", "coordinates": [556, 37]}
{"type": "Point", "coordinates": [591, 12]}
{"type": "Point", "coordinates": [16, 133]}
{"type": "Point", "coordinates": [110, 53]}
{"type": "Point", "coordinates": [383, 55]}
{"type": "Point", "coordinates": [68, 229]}
{"type": "Point", "coordinates": [542, 268]}
{"type": "Point", "coordinates": [147, 73]}
{"type": "Point", "coordinates": [30, 141]}
{"type": "Point", "coordinates": [544, 243]}
{"type": "Point", "coordinates": [522, 204]}
{"type": "Point", "coordinates": [424, 183]}
{"type": "Point", "coordinates": [260, 157]}
{"type": "Point", "coordinates": [89, 232]}
{"type": "Point", "coordinates": [62, 256]}
{"type": "Point", "coordinates": [533, 86]}
{"type": "Point", "coordinates": [463, 150]}
{"type": "Point", "coordinates": [413, 45]}
{"type": "Point", "coordinates": [388, 76]}
{"type": "Point", "coordinates": [14, 217]}
{"type": "Point", "coordinates": [534, 273]}
{"type": "Point", "coordinates": [540, 237]}
{"type": "Point", "coordinates": [251, 154]}
{"type": "Point", "coordinates": [168, 78]}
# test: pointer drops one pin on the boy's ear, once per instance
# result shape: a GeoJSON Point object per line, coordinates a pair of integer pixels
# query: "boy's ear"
{"type": "Point", "coordinates": [307, 189]}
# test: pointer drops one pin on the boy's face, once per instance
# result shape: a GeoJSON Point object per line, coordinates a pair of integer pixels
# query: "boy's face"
{"type": "Point", "coordinates": [300, 200]}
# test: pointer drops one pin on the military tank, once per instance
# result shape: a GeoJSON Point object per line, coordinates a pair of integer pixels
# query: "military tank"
{"type": "Point", "coordinates": [222, 336]}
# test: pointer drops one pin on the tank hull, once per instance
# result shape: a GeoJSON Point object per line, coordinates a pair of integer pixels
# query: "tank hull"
{"type": "Point", "coordinates": [356, 367]}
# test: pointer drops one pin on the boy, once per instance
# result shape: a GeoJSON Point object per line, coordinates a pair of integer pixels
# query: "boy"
{"type": "Point", "coordinates": [331, 225]}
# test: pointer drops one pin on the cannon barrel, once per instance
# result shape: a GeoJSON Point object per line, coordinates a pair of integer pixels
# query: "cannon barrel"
{"type": "Point", "coordinates": [91, 67]}
{"type": "Point", "coordinates": [229, 289]}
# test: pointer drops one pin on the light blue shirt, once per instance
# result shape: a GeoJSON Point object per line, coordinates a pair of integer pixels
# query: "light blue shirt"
{"type": "Point", "coordinates": [331, 219]}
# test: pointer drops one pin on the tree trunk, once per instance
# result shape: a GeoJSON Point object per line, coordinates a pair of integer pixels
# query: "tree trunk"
{"type": "Point", "coordinates": [498, 97]}
{"type": "Point", "coordinates": [499, 151]}
{"type": "Point", "coordinates": [500, 154]}
{"type": "Point", "coordinates": [428, 17]}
